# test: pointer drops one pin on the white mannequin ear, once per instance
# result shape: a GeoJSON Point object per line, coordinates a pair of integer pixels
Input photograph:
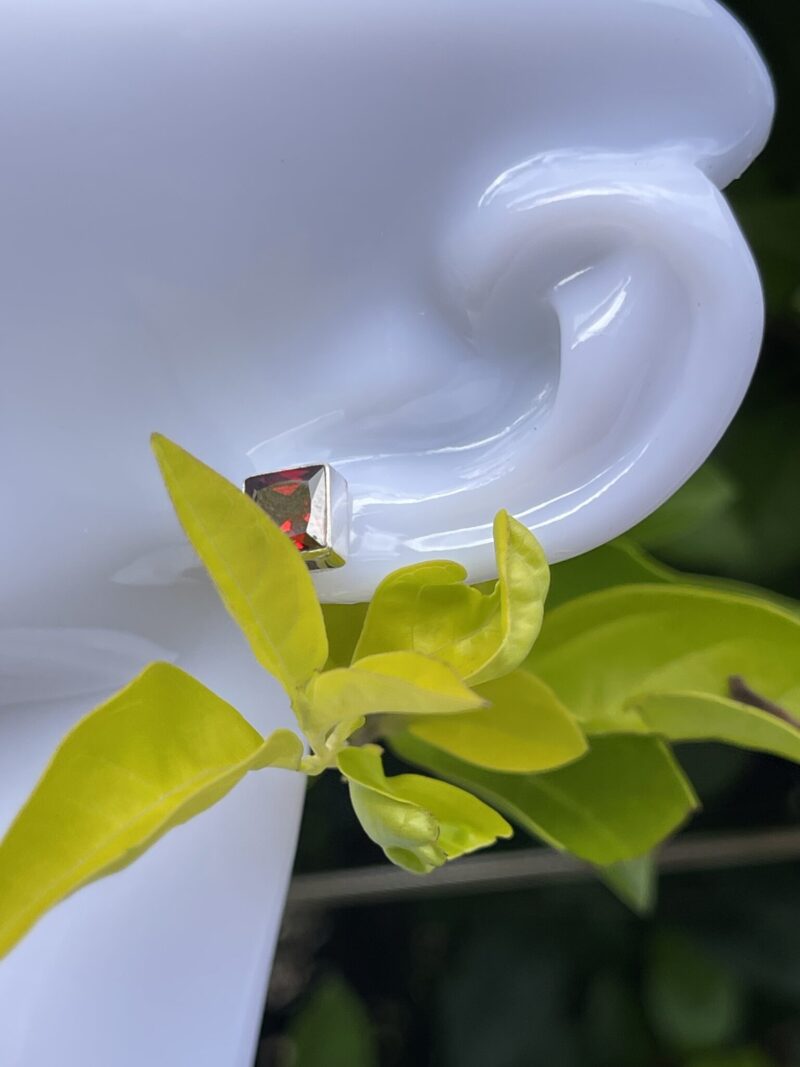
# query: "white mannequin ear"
{"type": "Point", "coordinates": [660, 318]}
{"type": "Point", "coordinates": [619, 298]}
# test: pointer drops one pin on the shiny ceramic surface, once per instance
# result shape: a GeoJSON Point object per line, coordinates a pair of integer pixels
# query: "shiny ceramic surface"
{"type": "Point", "coordinates": [472, 254]}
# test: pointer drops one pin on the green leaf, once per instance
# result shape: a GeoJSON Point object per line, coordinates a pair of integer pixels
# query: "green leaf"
{"type": "Point", "coordinates": [259, 574]}
{"type": "Point", "coordinates": [692, 1003]}
{"type": "Point", "coordinates": [400, 683]}
{"type": "Point", "coordinates": [707, 495]}
{"type": "Point", "coordinates": [160, 751]}
{"type": "Point", "coordinates": [739, 1057]}
{"type": "Point", "coordinates": [524, 729]}
{"type": "Point", "coordinates": [506, 989]}
{"type": "Point", "coordinates": [622, 562]}
{"type": "Point", "coordinates": [633, 881]}
{"type": "Point", "coordinates": [616, 1030]}
{"type": "Point", "coordinates": [619, 801]}
{"type": "Point", "coordinates": [428, 608]}
{"type": "Point", "coordinates": [702, 717]}
{"type": "Point", "coordinates": [344, 623]}
{"type": "Point", "coordinates": [771, 223]}
{"type": "Point", "coordinates": [332, 1029]}
{"type": "Point", "coordinates": [619, 562]}
{"type": "Point", "coordinates": [419, 822]}
{"type": "Point", "coordinates": [600, 651]}
{"type": "Point", "coordinates": [758, 538]}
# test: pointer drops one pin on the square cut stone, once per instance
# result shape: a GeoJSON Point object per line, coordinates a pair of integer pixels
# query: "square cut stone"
{"type": "Point", "coordinates": [310, 505]}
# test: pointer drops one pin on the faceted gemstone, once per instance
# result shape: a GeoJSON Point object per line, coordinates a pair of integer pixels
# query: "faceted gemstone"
{"type": "Point", "coordinates": [306, 503]}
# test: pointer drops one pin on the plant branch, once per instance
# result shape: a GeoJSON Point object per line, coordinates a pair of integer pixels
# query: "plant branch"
{"type": "Point", "coordinates": [741, 691]}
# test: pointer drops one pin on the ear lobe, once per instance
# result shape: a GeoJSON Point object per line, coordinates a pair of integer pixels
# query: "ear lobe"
{"type": "Point", "coordinates": [659, 314]}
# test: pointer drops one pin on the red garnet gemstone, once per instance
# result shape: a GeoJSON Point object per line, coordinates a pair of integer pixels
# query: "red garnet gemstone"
{"type": "Point", "coordinates": [296, 500]}
{"type": "Point", "coordinates": [311, 506]}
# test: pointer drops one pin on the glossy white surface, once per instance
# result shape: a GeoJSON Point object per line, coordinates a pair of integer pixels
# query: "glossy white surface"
{"type": "Point", "coordinates": [167, 962]}
{"type": "Point", "coordinates": [472, 254]}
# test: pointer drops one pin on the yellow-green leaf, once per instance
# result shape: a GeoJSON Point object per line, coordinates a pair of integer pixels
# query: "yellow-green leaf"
{"type": "Point", "coordinates": [419, 822]}
{"type": "Point", "coordinates": [404, 683]}
{"type": "Point", "coordinates": [428, 608]}
{"type": "Point", "coordinates": [465, 822]}
{"type": "Point", "coordinates": [259, 574]}
{"type": "Point", "coordinates": [525, 729]}
{"type": "Point", "coordinates": [625, 795]}
{"type": "Point", "coordinates": [599, 651]}
{"type": "Point", "coordinates": [157, 753]}
{"type": "Point", "coordinates": [407, 834]}
{"type": "Point", "coordinates": [704, 717]}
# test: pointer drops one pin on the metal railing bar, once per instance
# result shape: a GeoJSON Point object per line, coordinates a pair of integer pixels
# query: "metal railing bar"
{"type": "Point", "coordinates": [503, 871]}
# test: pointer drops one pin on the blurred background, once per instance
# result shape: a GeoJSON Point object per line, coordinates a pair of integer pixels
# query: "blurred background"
{"type": "Point", "coordinates": [549, 968]}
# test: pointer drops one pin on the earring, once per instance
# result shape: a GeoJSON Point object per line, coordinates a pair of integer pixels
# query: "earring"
{"type": "Point", "coordinates": [310, 504]}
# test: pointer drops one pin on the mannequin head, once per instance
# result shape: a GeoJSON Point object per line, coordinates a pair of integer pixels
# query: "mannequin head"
{"type": "Point", "coordinates": [469, 252]}
{"type": "Point", "coordinates": [473, 257]}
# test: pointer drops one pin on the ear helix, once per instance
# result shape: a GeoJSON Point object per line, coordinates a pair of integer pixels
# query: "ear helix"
{"type": "Point", "coordinates": [659, 315]}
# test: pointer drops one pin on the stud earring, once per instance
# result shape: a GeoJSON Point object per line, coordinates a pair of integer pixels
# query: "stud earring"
{"type": "Point", "coordinates": [310, 504]}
